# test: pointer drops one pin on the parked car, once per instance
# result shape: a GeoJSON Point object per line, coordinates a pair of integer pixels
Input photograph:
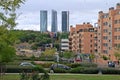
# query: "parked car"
{"type": "Point", "coordinates": [111, 64]}
{"type": "Point", "coordinates": [27, 64]}
{"type": "Point", "coordinates": [54, 66]}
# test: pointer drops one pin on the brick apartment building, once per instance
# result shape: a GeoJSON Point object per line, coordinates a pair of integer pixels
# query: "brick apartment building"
{"type": "Point", "coordinates": [82, 38]}
{"type": "Point", "coordinates": [109, 31]}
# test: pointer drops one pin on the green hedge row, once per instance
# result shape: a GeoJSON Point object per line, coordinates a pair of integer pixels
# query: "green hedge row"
{"type": "Point", "coordinates": [86, 70]}
{"type": "Point", "coordinates": [20, 69]}
{"type": "Point", "coordinates": [74, 65]}
{"type": "Point", "coordinates": [110, 71]}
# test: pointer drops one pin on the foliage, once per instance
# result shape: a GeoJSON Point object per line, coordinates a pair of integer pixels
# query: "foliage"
{"type": "Point", "coordinates": [85, 70]}
{"type": "Point", "coordinates": [67, 54]}
{"type": "Point", "coordinates": [117, 52]}
{"type": "Point", "coordinates": [7, 53]}
{"type": "Point", "coordinates": [46, 65]}
{"type": "Point", "coordinates": [63, 35]}
{"type": "Point", "coordinates": [110, 71]}
{"type": "Point", "coordinates": [92, 57]}
{"type": "Point", "coordinates": [8, 22]}
{"type": "Point", "coordinates": [117, 55]}
{"type": "Point", "coordinates": [59, 70]}
{"type": "Point", "coordinates": [105, 57]}
{"type": "Point", "coordinates": [35, 38]}
{"type": "Point", "coordinates": [74, 65]}
{"type": "Point", "coordinates": [49, 52]}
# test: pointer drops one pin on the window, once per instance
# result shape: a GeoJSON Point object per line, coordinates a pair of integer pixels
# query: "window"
{"type": "Point", "coordinates": [90, 51]}
{"type": "Point", "coordinates": [105, 51]}
{"type": "Point", "coordinates": [105, 44]}
{"type": "Point", "coordinates": [109, 25]}
{"type": "Point", "coordinates": [115, 29]}
{"type": "Point", "coordinates": [109, 33]}
{"type": "Point", "coordinates": [90, 45]}
{"type": "Point", "coordinates": [109, 48]}
{"type": "Point", "coordinates": [105, 23]}
{"type": "Point", "coordinates": [109, 40]}
{"type": "Point", "coordinates": [115, 37]}
{"type": "Point", "coordinates": [90, 40]}
{"type": "Point", "coordinates": [91, 35]}
{"type": "Point", "coordinates": [105, 30]}
{"type": "Point", "coordinates": [115, 21]}
{"type": "Point", "coordinates": [105, 37]}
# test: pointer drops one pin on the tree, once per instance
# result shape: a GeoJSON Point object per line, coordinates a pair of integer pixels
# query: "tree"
{"type": "Point", "coordinates": [49, 52]}
{"type": "Point", "coordinates": [117, 52]}
{"type": "Point", "coordinates": [92, 57]}
{"type": "Point", "coordinates": [68, 54]}
{"type": "Point", "coordinates": [7, 23]}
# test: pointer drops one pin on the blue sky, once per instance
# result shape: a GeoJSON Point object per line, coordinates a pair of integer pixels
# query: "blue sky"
{"type": "Point", "coordinates": [80, 11]}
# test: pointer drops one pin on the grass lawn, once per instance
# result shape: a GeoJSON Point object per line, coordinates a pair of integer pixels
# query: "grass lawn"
{"type": "Point", "coordinates": [69, 77]}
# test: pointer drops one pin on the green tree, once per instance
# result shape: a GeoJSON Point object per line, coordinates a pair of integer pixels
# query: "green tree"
{"type": "Point", "coordinates": [117, 52]}
{"type": "Point", "coordinates": [7, 23]}
{"type": "Point", "coordinates": [68, 54]}
{"type": "Point", "coordinates": [92, 57]}
{"type": "Point", "coordinates": [49, 52]}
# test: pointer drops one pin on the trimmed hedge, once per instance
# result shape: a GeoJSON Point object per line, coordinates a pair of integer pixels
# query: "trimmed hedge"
{"type": "Point", "coordinates": [74, 65]}
{"type": "Point", "coordinates": [110, 71]}
{"type": "Point", "coordinates": [46, 65]}
{"type": "Point", "coordinates": [59, 70]}
{"type": "Point", "coordinates": [84, 70]}
{"type": "Point", "coordinates": [19, 69]}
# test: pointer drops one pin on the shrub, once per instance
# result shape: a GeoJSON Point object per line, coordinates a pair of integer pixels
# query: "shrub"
{"type": "Point", "coordinates": [77, 70]}
{"type": "Point", "coordinates": [90, 70]}
{"type": "Point", "coordinates": [110, 71]}
{"type": "Point", "coordinates": [59, 70]}
{"type": "Point", "coordinates": [74, 65]}
{"type": "Point", "coordinates": [38, 68]}
{"type": "Point", "coordinates": [46, 65]}
{"type": "Point", "coordinates": [84, 70]}
{"type": "Point", "coordinates": [19, 69]}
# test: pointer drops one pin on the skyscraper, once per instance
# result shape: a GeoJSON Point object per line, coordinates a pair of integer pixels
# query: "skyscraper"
{"type": "Point", "coordinates": [43, 20]}
{"type": "Point", "coordinates": [65, 21]}
{"type": "Point", "coordinates": [54, 21]}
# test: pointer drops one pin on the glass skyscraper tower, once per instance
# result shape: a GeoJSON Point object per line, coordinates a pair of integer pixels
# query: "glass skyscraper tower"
{"type": "Point", "coordinates": [43, 21]}
{"type": "Point", "coordinates": [54, 21]}
{"type": "Point", "coordinates": [65, 21]}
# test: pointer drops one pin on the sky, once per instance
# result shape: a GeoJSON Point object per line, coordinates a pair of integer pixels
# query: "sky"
{"type": "Point", "coordinates": [80, 11]}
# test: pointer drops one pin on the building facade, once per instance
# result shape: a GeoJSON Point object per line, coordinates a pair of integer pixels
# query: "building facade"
{"type": "Point", "coordinates": [65, 21]}
{"type": "Point", "coordinates": [109, 31]}
{"type": "Point", "coordinates": [64, 44]}
{"type": "Point", "coordinates": [81, 38]}
{"type": "Point", "coordinates": [54, 21]}
{"type": "Point", "coordinates": [43, 21]}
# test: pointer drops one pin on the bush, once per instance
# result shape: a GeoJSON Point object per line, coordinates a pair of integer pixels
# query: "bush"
{"type": "Point", "coordinates": [39, 69]}
{"type": "Point", "coordinates": [59, 70]}
{"type": "Point", "coordinates": [46, 65]}
{"type": "Point", "coordinates": [77, 70]}
{"type": "Point", "coordinates": [74, 65]}
{"type": "Point", "coordinates": [84, 70]}
{"type": "Point", "coordinates": [90, 70]}
{"type": "Point", "coordinates": [19, 69]}
{"type": "Point", "coordinates": [110, 71]}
